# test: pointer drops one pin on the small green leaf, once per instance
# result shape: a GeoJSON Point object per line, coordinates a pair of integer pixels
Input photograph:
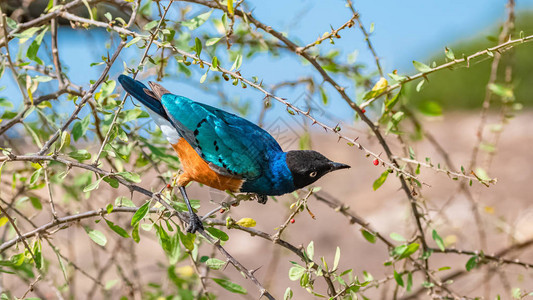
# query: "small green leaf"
{"type": "Point", "coordinates": [296, 272]}
{"type": "Point", "coordinates": [288, 294]}
{"type": "Point", "coordinates": [212, 41]}
{"type": "Point", "coordinates": [237, 64]}
{"type": "Point", "coordinates": [379, 182]}
{"type": "Point", "coordinates": [370, 237]}
{"type": "Point", "coordinates": [472, 263]}
{"type": "Point", "coordinates": [397, 237]}
{"type": "Point", "coordinates": [337, 258]}
{"type": "Point", "coordinates": [36, 203]}
{"type": "Point", "coordinates": [92, 186]}
{"type": "Point", "coordinates": [187, 240]}
{"type": "Point", "coordinates": [119, 230]}
{"type": "Point", "coordinates": [140, 213]}
{"type": "Point", "coordinates": [198, 46]}
{"type": "Point", "coordinates": [215, 264]}
{"type": "Point", "coordinates": [38, 254]}
{"type": "Point", "coordinates": [449, 53]}
{"type": "Point", "coordinates": [409, 281]}
{"type": "Point", "coordinates": [35, 176]}
{"type": "Point", "coordinates": [150, 25]}
{"type": "Point", "coordinates": [421, 67]}
{"type": "Point", "coordinates": [230, 286]}
{"type": "Point", "coordinates": [135, 233]}
{"type": "Point", "coordinates": [311, 250]}
{"type": "Point", "coordinates": [217, 233]}
{"type": "Point", "coordinates": [130, 176]}
{"type": "Point", "coordinates": [197, 21]}
{"type": "Point", "coordinates": [398, 278]}
{"type": "Point", "coordinates": [438, 240]}
{"type": "Point", "coordinates": [133, 41]}
{"type": "Point", "coordinates": [80, 155]}
{"type": "Point", "coordinates": [97, 236]}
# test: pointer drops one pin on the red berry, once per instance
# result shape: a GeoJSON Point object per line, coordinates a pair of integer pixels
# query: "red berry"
{"type": "Point", "coordinates": [222, 210]}
{"type": "Point", "coordinates": [375, 162]}
{"type": "Point", "coordinates": [292, 221]}
{"type": "Point", "coordinates": [363, 110]}
{"type": "Point", "coordinates": [169, 186]}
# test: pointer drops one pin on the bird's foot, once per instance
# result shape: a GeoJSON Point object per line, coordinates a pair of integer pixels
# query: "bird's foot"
{"type": "Point", "coordinates": [262, 199]}
{"type": "Point", "coordinates": [195, 224]}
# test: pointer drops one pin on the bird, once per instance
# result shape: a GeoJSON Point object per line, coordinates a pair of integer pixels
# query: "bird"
{"type": "Point", "coordinates": [224, 151]}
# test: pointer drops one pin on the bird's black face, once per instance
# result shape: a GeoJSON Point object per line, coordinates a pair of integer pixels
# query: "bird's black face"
{"type": "Point", "coordinates": [308, 166]}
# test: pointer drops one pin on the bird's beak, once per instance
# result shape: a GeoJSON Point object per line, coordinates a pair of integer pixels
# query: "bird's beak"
{"type": "Point", "coordinates": [337, 166]}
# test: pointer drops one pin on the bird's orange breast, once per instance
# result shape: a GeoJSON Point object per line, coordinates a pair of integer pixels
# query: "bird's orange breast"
{"type": "Point", "coordinates": [196, 169]}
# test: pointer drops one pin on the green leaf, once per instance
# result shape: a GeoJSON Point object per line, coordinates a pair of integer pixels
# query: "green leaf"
{"type": "Point", "coordinates": [198, 46]}
{"type": "Point", "coordinates": [65, 140]}
{"type": "Point", "coordinates": [187, 240]}
{"type": "Point", "coordinates": [135, 39]}
{"type": "Point", "coordinates": [296, 272]}
{"type": "Point", "coordinates": [449, 53]}
{"type": "Point", "coordinates": [38, 254]}
{"type": "Point", "coordinates": [35, 176]}
{"type": "Point", "coordinates": [217, 233]}
{"type": "Point", "coordinates": [203, 78]}
{"type": "Point", "coordinates": [36, 203]}
{"type": "Point", "coordinates": [197, 21]}
{"type": "Point", "coordinates": [97, 236]}
{"type": "Point", "coordinates": [140, 213]}
{"type": "Point", "coordinates": [150, 25]}
{"type": "Point", "coordinates": [92, 186]}
{"type": "Point", "coordinates": [130, 176]}
{"type": "Point", "coordinates": [398, 278]}
{"type": "Point", "coordinates": [230, 286]}
{"type": "Point", "coordinates": [135, 233]}
{"type": "Point", "coordinates": [438, 240]}
{"type": "Point", "coordinates": [119, 230]}
{"type": "Point", "coordinates": [368, 236]}
{"type": "Point", "coordinates": [311, 250]}
{"type": "Point", "coordinates": [212, 41]}
{"type": "Point", "coordinates": [337, 258]}
{"type": "Point", "coordinates": [397, 237]}
{"type": "Point", "coordinates": [409, 281]}
{"type": "Point", "coordinates": [31, 53]}
{"type": "Point", "coordinates": [379, 182]}
{"type": "Point", "coordinates": [237, 64]}
{"type": "Point", "coordinates": [80, 155]}
{"type": "Point", "coordinates": [288, 294]}
{"type": "Point", "coordinates": [410, 249]}
{"type": "Point", "coordinates": [472, 263]}
{"type": "Point", "coordinates": [215, 264]}
{"type": "Point", "coordinates": [390, 103]}
{"type": "Point", "coordinates": [113, 182]}
{"type": "Point", "coordinates": [80, 128]}
{"type": "Point", "coordinates": [502, 91]}
{"type": "Point", "coordinates": [421, 67]}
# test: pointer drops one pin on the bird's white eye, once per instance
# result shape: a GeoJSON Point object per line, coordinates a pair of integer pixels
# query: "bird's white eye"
{"type": "Point", "coordinates": [312, 174]}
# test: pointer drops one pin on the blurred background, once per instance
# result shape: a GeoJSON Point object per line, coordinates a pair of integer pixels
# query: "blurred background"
{"type": "Point", "coordinates": [447, 118]}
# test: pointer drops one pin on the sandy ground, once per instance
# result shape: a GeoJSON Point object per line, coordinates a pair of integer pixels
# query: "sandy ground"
{"type": "Point", "coordinates": [506, 209]}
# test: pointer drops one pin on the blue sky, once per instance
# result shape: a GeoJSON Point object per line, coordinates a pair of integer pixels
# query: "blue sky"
{"type": "Point", "coordinates": [404, 31]}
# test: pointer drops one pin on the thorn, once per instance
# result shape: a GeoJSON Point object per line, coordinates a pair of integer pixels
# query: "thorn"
{"type": "Point", "coordinates": [255, 270]}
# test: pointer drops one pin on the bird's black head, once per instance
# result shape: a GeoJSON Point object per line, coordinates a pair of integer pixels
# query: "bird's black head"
{"type": "Point", "coordinates": [308, 166]}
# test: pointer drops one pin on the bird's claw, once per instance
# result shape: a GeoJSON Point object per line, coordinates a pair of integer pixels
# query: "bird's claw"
{"type": "Point", "coordinates": [262, 199]}
{"type": "Point", "coordinates": [195, 224]}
